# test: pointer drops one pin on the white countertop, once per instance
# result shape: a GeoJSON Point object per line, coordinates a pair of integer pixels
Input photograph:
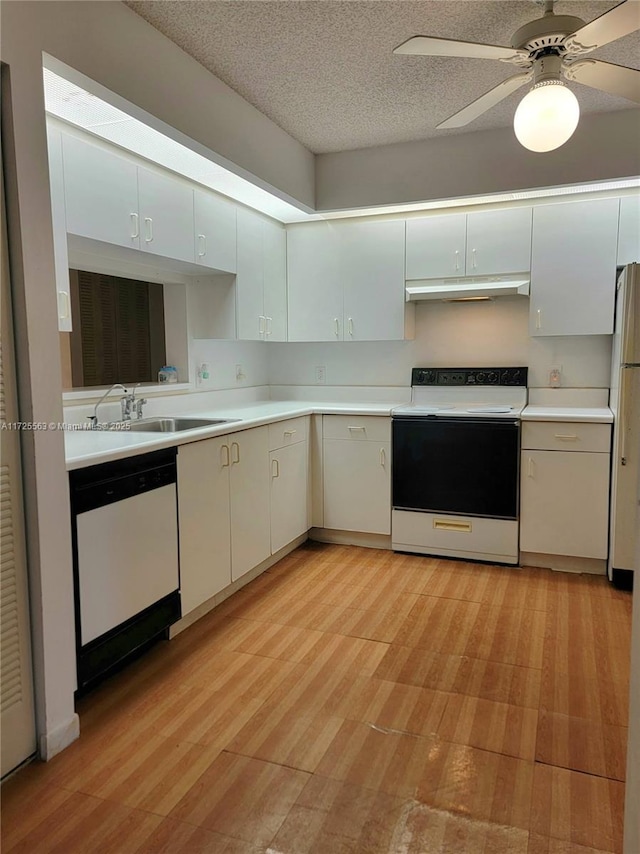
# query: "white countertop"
{"type": "Point", "coordinates": [90, 447]}
{"type": "Point", "coordinates": [594, 414]}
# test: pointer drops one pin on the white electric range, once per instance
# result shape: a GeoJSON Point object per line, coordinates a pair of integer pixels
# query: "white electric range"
{"type": "Point", "coordinates": [456, 453]}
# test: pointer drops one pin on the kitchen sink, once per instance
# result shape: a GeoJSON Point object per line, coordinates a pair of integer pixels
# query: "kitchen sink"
{"type": "Point", "coordinates": [174, 425]}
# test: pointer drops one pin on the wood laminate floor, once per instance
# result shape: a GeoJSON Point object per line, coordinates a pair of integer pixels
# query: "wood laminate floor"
{"type": "Point", "coordinates": [355, 701]}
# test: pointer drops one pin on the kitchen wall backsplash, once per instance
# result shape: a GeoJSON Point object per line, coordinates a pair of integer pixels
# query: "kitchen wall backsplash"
{"type": "Point", "coordinates": [456, 334]}
{"type": "Point", "coordinates": [230, 364]}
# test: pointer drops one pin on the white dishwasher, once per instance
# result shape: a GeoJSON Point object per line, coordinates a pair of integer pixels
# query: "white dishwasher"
{"type": "Point", "coordinates": [125, 546]}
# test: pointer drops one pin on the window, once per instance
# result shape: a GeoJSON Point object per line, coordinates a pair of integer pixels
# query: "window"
{"type": "Point", "coordinates": [118, 330]}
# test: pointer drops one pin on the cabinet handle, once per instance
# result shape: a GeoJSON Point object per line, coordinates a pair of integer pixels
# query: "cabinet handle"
{"type": "Point", "coordinates": [237, 447]}
{"type": "Point", "coordinates": [261, 320]}
{"type": "Point", "coordinates": [473, 259]}
{"type": "Point", "coordinates": [148, 221]}
{"type": "Point", "coordinates": [203, 245]}
{"type": "Point", "coordinates": [135, 225]}
{"type": "Point", "coordinates": [63, 305]}
{"type": "Point", "coordinates": [224, 456]}
{"type": "Point", "coordinates": [539, 319]}
{"type": "Point", "coordinates": [530, 468]}
{"type": "Point", "coordinates": [290, 432]}
{"type": "Point", "coordinates": [351, 326]}
{"type": "Point", "coordinates": [337, 325]}
{"type": "Point", "coordinates": [457, 260]}
{"type": "Point", "coordinates": [275, 468]}
{"type": "Point", "coordinates": [567, 437]}
{"type": "Point", "coordinates": [383, 458]}
{"type": "Point", "coordinates": [269, 324]}
{"type": "Point", "coordinates": [357, 428]}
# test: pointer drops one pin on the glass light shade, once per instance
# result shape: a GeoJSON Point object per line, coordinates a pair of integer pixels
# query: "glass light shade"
{"type": "Point", "coordinates": [546, 117]}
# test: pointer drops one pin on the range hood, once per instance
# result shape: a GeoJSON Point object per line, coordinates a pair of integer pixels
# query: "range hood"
{"type": "Point", "coordinates": [469, 288]}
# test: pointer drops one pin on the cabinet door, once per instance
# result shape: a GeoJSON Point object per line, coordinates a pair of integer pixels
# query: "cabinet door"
{"type": "Point", "coordinates": [204, 520]}
{"type": "Point", "coordinates": [58, 222]}
{"type": "Point", "coordinates": [499, 242]}
{"type": "Point", "coordinates": [215, 231]}
{"type": "Point", "coordinates": [101, 194]}
{"type": "Point", "coordinates": [629, 231]}
{"type": "Point", "coordinates": [436, 246]}
{"type": "Point", "coordinates": [564, 503]}
{"type": "Point", "coordinates": [357, 490]}
{"type": "Point", "coordinates": [250, 279]}
{"type": "Point", "coordinates": [166, 216]}
{"type": "Point", "coordinates": [315, 288]}
{"type": "Point", "coordinates": [250, 487]}
{"type": "Point", "coordinates": [372, 271]}
{"type": "Point", "coordinates": [289, 494]}
{"type": "Point", "coordinates": [274, 258]}
{"type": "Point", "coordinates": [573, 268]}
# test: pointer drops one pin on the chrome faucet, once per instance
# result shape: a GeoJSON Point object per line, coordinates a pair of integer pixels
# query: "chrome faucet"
{"type": "Point", "coordinates": [131, 405]}
{"type": "Point", "coordinates": [94, 418]}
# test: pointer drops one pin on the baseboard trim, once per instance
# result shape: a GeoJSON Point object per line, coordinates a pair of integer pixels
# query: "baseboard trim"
{"type": "Point", "coordinates": [565, 563]}
{"type": "Point", "coordinates": [54, 742]}
{"type": "Point", "coordinates": [350, 538]}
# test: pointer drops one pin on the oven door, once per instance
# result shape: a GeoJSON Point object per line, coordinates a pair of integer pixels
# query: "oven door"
{"type": "Point", "coordinates": [465, 466]}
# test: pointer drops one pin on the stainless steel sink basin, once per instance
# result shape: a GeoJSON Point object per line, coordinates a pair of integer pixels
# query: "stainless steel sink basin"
{"type": "Point", "coordinates": [174, 425]}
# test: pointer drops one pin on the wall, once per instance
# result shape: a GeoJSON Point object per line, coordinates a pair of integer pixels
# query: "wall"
{"type": "Point", "coordinates": [455, 334]}
{"type": "Point", "coordinates": [605, 146]}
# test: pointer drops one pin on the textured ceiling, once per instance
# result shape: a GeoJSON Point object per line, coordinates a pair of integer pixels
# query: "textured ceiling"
{"type": "Point", "coordinates": [323, 70]}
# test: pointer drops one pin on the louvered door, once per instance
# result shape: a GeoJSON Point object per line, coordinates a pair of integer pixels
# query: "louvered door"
{"type": "Point", "coordinates": [16, 718]}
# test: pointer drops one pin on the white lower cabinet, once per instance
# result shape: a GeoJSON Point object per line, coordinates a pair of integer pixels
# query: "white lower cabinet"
{"type": "Point", "coordinates": [289, 463]}
{"type": "Point", "coordinates": [223, 511]}
{"type": "Point", "coordinates": [564, 498]}
{"type": "Point", "coordinates": [357, 473]}
{"type": "Point", "coordinates": [204, 520]}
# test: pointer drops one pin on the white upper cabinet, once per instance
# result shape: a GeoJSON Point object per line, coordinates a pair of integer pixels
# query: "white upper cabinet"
{"type": "Point", "coordinates": [573, 268]}
{"type": "Point", "coordinates": [101, 194]}
{"type": "Point", "coordinates": [58, 221]}
{"type": "Point", "coordinates": [498, 242]}
{"type": "Point", "coordinates": [261, 285]}
{"type": "Point", "coordinates": [315, 289]}
{"type": "Point", "coordinates": [274, 262]}
{"type": "Point", "coordinates": [436, 246]}
{"type": "Point", "coordinates": [346, 281]}
{"type": "Point", "coordinates": [215, 231]}
{"type": "Point", "coordinates": [372, 271]}
{"type": "Point", "coordinates": [629, 231]}
{"type": "Point", "coordinates": [166, 216]}
{"type": "Point", "coordinates": [477, 244]}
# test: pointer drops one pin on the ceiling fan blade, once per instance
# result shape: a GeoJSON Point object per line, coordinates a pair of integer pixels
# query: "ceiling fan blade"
{"type": "Point", "coordinates": [485, 102]}
{"type": "Point", "coordinates": [617, 22]}
{"type": "Point", "coordinates": [614, 79]}
{"type": "Point", "coordinates": [431, 46]}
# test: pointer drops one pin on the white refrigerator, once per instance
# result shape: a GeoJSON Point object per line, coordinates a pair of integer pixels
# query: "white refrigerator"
{"type": "Point", "coordinates": [625, 403]}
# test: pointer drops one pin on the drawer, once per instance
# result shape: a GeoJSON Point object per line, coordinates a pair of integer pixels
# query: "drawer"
{"type": "Point", "coordinates": [566, 436]}
{"type": "Point", "coordinates": [375, 428]}
{"type": "Point", "coordinates": [288, 432]}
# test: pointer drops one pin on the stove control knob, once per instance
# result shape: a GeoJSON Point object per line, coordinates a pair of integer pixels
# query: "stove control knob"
{"type": "Point", "coordinates": [480, 377]}
{"type": "Point", "coordinates": [492, 377]}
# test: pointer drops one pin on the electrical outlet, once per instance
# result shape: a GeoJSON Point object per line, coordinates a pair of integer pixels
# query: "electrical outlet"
{"type": "Point", "coordinates": [321, 374]}
{"type": "Point", "coordinates": [240, 374]}
{"type": "Point", "coordinates": [555, 375]}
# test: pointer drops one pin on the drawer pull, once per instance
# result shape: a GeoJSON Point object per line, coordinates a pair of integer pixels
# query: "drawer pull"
{"type": "Point", "coordinates": [135, 226]}
{"type": "Point", "coordinates": [202, 246]}
{"type": "Point", "coordinates": [235, 455]}
{"type": "Point", "coordinates": [363, 429]}
{"type": "Point", "coordinates": [446, 525]}
{"type": "Point", "coordinates": [275, 468]}
{"type": "Point", "coordinates": [224, 456]}
{"type": "Point", "coordinates": [566, 437]}
{"type": "Point", "coordinates": [530, 468]}
{"type": "Point", "coordinates": [383, 458]}
{"type": "Point", "coordinates": [290, 432]}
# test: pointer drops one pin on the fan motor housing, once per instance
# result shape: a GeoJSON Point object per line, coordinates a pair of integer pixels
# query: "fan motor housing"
{"type": "Point", "coordinates": [544, 33]}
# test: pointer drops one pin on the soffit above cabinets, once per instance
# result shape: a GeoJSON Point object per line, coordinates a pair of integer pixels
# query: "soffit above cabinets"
{"type": "Point", "coordinates": [80, 108]}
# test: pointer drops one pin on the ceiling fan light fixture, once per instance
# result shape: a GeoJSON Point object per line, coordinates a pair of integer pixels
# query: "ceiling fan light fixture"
{"type": "Point", "coordinates": [547, 116]}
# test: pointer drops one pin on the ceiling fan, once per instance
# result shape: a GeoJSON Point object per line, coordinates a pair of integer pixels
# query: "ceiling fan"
{"type": "Point", "coordinates": [546, 49]}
